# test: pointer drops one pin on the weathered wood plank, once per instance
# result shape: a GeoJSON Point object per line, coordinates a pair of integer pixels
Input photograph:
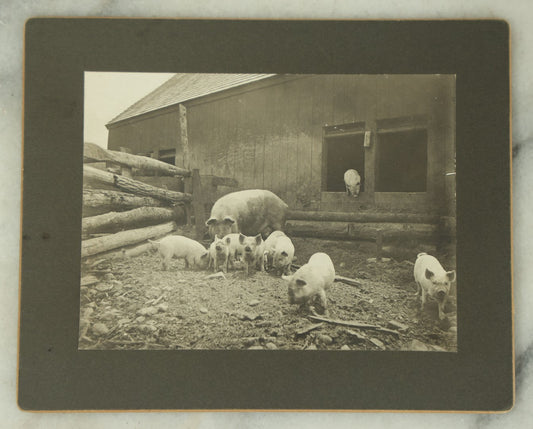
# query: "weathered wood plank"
{"type": "Point", "coordinates": [142, 216]}
{"type": "Point", "coordinates": [198, 204]}
{"type": "Point", "coordinates": [98, 201]}
{"type": "Point", "coordinates": [134, 186]}
{"type": "Point", "coordinates": [95, 246]}
{"type": "Point", "coordinates": [362, 231]}
{"type": "Point", "coordinates": [362, 217]}
{"type": "Point", "coordinates": [93, 153]}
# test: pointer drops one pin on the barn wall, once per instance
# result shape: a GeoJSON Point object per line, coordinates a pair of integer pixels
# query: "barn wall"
{"type": "Point", "coordinates": [149, 134]}
{"type": "Point", "coordinates": [270, 134]}
{"type": "Point", "coordinates": [272, 137]}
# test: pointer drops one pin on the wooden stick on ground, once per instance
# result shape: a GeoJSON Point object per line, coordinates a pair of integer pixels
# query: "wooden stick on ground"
{"type": "Point", "coordinates": [354, 324]}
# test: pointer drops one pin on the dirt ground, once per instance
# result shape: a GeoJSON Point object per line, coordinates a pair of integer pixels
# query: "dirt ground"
{"type": "Point", "coordinates": [131, 304]}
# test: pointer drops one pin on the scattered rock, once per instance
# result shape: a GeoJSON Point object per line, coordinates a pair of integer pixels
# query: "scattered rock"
{"type": "Point", "coordinates": [203, 310]}
{"type": "Point", "coordinates": [342, 265]}
{"type": "Point", "coordinates": [271, 346]}
{"type": "Point", "coordinates": [250, 341]}
{"type": "Point", "coordinates": [308, 328]}
{"type": "Point", "coordinates": [400, 327]}
{"type": "Point", "coordinates": [163, 307]}
{"type": "Point", "coordinates": [249, 316]}
{"type": "Point", "coordinates": [453, 329]}
{"type": "Point", "coordinates": [324, 339]}
{"type": "Point", "coordinates": [377, 342]}
{"type": "Point", "coordinates": [418, 346]}
{"type": "Point", "coordinates": [109, 276]}
{"type": "Point", "coordinates": [263, 324]}
{"type": "Point", "coordinates": [219, 275]}
{"type": "Point", "coordinates": [104, 287]}
{"type": "Point", "coordinates": [311, 347]}
{"type": "Point", "coordinates": [345, 347]}
{"type": "Point", "coordinates": [88, 280]}
{"type": "Point", "coordinates": [256, 348]}
{"type": "Point", "coordinates": [140, 319]}
{"type": "Point", "coordinates": [100, 329]}
{"type": "Point", "coordinates": [253, 302]}
{"type": "Point", "coordinates": [147, 311]}
{"type": "Point", "coordinates": [147, 329]}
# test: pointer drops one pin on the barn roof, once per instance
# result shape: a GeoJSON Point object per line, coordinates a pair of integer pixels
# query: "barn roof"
{"type": "Point", "coordinates": [186, 86]}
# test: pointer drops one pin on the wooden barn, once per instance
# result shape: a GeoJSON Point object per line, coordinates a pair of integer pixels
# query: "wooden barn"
{"type": "Point", "coordinates": [296, 135]}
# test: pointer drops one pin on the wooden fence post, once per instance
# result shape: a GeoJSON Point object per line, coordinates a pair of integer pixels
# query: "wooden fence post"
{"type": "Point", "coordinates": [198, 204]}
{"type": "Point", "coordinates": [379, 244]}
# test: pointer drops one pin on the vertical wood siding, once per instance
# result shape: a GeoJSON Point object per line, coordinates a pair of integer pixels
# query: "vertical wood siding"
{"type": "Point", "coordinates": [270, 135]}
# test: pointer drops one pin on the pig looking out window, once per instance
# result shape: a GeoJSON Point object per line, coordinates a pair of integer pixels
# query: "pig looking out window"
{"type": "Point", "coordinates": [344, 152]}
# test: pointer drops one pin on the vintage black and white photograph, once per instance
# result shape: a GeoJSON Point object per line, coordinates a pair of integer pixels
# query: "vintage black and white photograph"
{"type": "Point", "coordinates": [269, 212]}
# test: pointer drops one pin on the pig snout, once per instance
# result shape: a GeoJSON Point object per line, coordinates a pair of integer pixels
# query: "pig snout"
{"type": "Point", "coordinates": [441, 294]}
{"type": "Point", "coordinates": [291, 297]}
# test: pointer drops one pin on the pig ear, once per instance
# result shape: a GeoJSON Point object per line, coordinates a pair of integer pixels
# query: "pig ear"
{"type": "Point", "coordinates": [258, 239]}
{"type": "Point", "coordinates": [451, 275]}
{"type": "Point", "coordinates": [216, 236]}
{"type": "Point", "coordinates": [284, 253]}
{"type": "Point", "coordinates": [288, 278]}
{"type": "Point", "coordinates": [429, 274]}
{"type": "Point", "coordinates": [301, 282]}
{"type": "Point", "coordinates": [241, 238]}
{"type": "Point", "coordinates": [229, 220]}
{"type": "Point", "coordinates": [210, 221]}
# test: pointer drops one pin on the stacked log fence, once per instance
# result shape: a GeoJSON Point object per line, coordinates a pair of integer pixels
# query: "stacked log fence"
{"type": "Point", "coordinates": [379, 227]}
{"type": "Point", "coordinates": [120, 213]}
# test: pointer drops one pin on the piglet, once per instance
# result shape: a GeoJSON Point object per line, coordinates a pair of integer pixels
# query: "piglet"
{"type": "Point", "coordinates": [253, 252]}
{"type": "Point", "coordinates": [279, 252]}
{"type": "Point", "coordinates": [352, 181]}
{"type": "Point", "coordinates": [235, 249]}
{"type": "Point", "coordinates": [311, 281]}
{"type": "Point", "coordinates": [218, 254]}
{"type": "Point", "coordinates": [433, 281]}
{"type": "Point", "coordinates": [177, 246]}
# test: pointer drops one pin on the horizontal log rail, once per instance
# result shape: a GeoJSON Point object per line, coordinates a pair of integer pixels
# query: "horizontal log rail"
{"type": "Point", "coordinates": [95, 153]}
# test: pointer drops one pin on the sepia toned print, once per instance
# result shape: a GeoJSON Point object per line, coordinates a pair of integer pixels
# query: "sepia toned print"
{"type": "Point", "coordinates": [279, 211]}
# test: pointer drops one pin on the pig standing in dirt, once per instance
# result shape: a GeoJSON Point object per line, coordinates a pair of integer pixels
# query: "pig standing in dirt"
{"type": "Point", "coordinates": [255, 211]}
{"type": "Point", "coordinates": [253, 252]}
{"type": "Point", "coordinates": [235, 249]}
{"type": "Point", "coordinates": [432, 280]}
{"type": "Point", "coordinates": [177, 246]}
{"type": "Point", "coordinates": [311, 281]}
{"type": "Point", "coordinates": [279, 252]}
{"type": "Point", "coordinates": [218, 254]}
{"type": "Point", "coordinates": [352, 180]}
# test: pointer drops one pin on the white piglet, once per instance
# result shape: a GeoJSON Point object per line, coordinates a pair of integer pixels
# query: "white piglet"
{"type": "Point", "coordinates": [352, 181]}
{"type": "Point", "coordinates": [177, 246]}
{"type": "Point", "coordinates": [311, 281]}
{"type": "Point", "coordinates": [432, 281]}
{"type": "Point", "coordinates": [235, 249]}
{"type": "Point", "coordinates": [279, 252]}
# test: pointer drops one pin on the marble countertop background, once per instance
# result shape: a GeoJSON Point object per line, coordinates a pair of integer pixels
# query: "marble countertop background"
{"type": "Point", "coordinates": [519, 15]}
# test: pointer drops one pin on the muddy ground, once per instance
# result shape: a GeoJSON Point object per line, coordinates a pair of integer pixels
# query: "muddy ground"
{"type": "Point", "coordinates": [133, 304]}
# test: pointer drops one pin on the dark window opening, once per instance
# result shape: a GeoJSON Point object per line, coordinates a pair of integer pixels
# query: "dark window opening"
{"type": "Point", "coordinates": [168, 156]}
{"type": "Point", "coordinates": [344, 153]}
{"type": "Point", "coordinates": [401, 162]}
